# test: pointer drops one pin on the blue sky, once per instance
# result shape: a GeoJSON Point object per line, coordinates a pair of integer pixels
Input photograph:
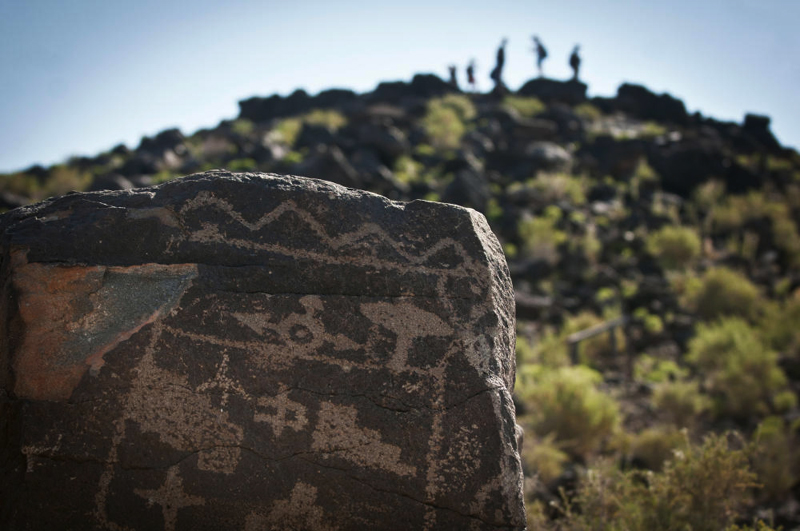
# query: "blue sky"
{"type": "Point", "coordinates": [80, 76]}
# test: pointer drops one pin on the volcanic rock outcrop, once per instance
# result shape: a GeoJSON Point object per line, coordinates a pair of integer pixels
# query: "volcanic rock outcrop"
{"type": "Point", "coordinates": [249, 351]}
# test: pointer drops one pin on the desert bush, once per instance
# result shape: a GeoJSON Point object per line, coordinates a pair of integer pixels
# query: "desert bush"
{"type": "Point", "coordinates": [680, 403]}
{"type": "Point", "coordinates": [566, 404]}
{"type": "Point", "coordinates": [674, 247]}
{"type": "Point", "coordinates": [242, 127]}
{"type": "Point", "coordinates": [654, 370]}
{"type": "Point", "coordinates": [543, 458]}
{"type": "Point", "coordinates": [540, 238]}
{"type": "Point", "coordinates": [779, 325]}
{"type": "Point", "coordinates": [733, 214]}
{"type": "Point", "coordinates": [525, 106]}
{"type": "Point", "coordinates": [776, 458]}
{"type": "Point", "coordinates": [652, 447]}
{"type": "Point", "coordinates": [289, 128]}
{"type": "Point", "coordinates": [738, 369]}
{"type": "Point", "coordinates": [593, 350]}
{"type": "Point", "coordinates": [722, 292]}
{"type": "Point", "coordinates": [701, 488]}
{"type": "Point", "coordinates": [445, 120]}
{"type": "Point", "coordinates": [587, 111]}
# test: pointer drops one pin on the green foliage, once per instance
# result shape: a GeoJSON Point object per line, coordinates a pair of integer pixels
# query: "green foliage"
{"type": "Point", "coordinates": [674, 247]}
{"type": "Point", "coordinates": [407, 170]}
{"type": "Point", "coordinates": [62, 178]}
{"type": "Point", "coordinates": [445, 120]}
{"type": "Point", "coordinates": [680, 403]}
{"type": "Point", "coordinates": [242, 127]}
{"type": "Point", "coordinates": [567, 405]}
{"type": "Point", "coordinates": [735, 212]}
{"type": "Point", "coordinates": [242, 165]}
{"type": "Point", "coordinates": [654, 446]}
{"type": "Point", "coordinates": [653, 370]}
{"type": "Point", "coordinates": [289, 129]}
{"type": "Point", "coordinates": [720, 292]}
{"type": "Point", "coordinates": [780, 326]}
{"type": "Point", "coordinates": [776, 458]}
{"type": "Point", "coordinates": [552, 188]}
{"type": "Point", "coordinates": [587, 111]}
{"type": "Point", "coordinates": [329, 118]}
{"type": "Point", "coordinates": [701, 489]}
{"type": "Point", "coordinates": [591, 351]}
{"type": "Point", "coordinates": [653, 129]}
{"type": "Point", "coordinates": [738, 369]}
{"type": "Point", "coordinates": [540, 238]}
{"type": "Point", "coordinates": [543, 457]}
{"type": "Point", "coordinates": [525, 106]}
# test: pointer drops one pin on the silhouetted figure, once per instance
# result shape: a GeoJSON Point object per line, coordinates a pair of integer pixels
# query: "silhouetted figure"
{"type": "Point", "coordinates": [453, 81]}
{"type": "Point", "coordinates": [471, 75]}
{"type": "Point", "coordinates": [541, 53]}
{"type": "Point", "coordinates": [575, 62]}
{"type": "Point", "coordinates": [497, 73]}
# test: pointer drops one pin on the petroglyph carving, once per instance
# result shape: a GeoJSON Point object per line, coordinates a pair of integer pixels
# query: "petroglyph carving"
{"type": "Point", "coordinates": [256, 352]}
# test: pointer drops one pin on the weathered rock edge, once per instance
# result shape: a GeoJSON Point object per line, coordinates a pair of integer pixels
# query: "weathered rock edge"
{"type": "Point", "coordinates": [253, 351]}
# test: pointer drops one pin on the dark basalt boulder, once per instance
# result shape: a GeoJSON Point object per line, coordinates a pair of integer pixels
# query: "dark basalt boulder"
{"type": "Point", "coordinates": [571, 92]}
{"type": "Point", "coordinates": [251, 351]}
{"type": "Point", "coordinates": [639, 101]}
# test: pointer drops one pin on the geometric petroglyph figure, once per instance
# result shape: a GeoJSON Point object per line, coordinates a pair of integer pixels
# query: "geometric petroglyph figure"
{"type": "Point", "coordinates": [251, 351]}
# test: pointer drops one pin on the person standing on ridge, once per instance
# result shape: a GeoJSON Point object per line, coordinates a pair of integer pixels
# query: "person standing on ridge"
{"type": "Point", "coordinates": [575, 62]}
{"type": "Point", "coordinates": [497, 73]}
{"type": "Point", "coordinates": [471, 75]}
{"type": "Point", "coordinates": [541, 53]}
{"type": "Point", "coordinates": [453, 81]}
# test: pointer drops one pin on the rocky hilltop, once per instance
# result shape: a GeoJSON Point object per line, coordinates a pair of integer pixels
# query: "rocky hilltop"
{"type": "Point", "coordinates": [668, 240]}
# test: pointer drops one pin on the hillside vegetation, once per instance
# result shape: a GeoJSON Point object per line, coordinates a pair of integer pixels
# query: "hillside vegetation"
{"type": "Point", "coordinates": [685, 417]}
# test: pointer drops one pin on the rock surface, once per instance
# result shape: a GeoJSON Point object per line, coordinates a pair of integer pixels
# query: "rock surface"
{"type": "Point", "coordinates": [242, 351]}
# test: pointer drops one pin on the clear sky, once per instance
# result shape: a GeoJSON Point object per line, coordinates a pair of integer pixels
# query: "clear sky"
{"type": "Point", "coordinates": [80, 76]}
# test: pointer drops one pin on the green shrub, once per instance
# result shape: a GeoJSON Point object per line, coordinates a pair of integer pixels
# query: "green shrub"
{"type": "Point", "coordinates": [654, 446]}
{"type": "Point", "coordinates": [720, 292]}
{"type": "Point", "coordinates": [242, 127]}
{"type": "Point", "coordinates": [701, 489]}
{"type": "Point", "coordinates": [735, 212]}
{"type": "Point", "coordinates": [289, 129]}
{"type": "Point", "coordinates": [776, 458]}
{"type": "Point", "coordinates": [674, 247]}
{"type": "Point", "coordinates": [329, 118]}
{"type": "Point", "coordinates": [525, 106]}
{"type": "Point", "coordinates": [552, 188]}
{"type": "Point", "coordinates": [653, 370]}
{"type": "Point", "coordinates": [593, 350]}
{"type": "Point", "coordinates": [587, 111]}
{"type": "Point", "coordinates": [680, 403]}
{"type": "Point", "coordinates": [540, 238]}
{"type": "Point", "coordinates": [566, 404]}
{"type": "Point", "coordinates": [543, 457]}
{"type": "Point", "coordinates": [445, 120]}
{"type": "Point", "coordinates": [741, 373]}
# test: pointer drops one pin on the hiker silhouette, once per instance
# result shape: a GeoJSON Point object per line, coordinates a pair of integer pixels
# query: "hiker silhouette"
{"type": "Point", "coordinates": [453, 81]}
{"type": "Point", "coordinates": [471, 74]}
{"type": "Point", "coordinates": [541, 53]}
{"type": "Point", "coordinates": [497, 73]}
{"type": "Point", "coordinates": [575, 61]}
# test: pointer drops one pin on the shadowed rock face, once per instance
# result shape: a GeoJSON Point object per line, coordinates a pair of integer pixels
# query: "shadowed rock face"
{"type": "Point", "coordinates": [241, 351]}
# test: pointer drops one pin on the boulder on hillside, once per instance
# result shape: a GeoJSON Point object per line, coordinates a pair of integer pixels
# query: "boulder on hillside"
{"type": "Point", "coordinates": [423, 86]}
{"type": "Point", "coordinates": [757, 126]}
{"type": "Point", "coordinates": [251, 351]}
{"type": "Point", "coordinates": [570, 92]}
{"type": "Point", "coordinates": [639, 101]}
